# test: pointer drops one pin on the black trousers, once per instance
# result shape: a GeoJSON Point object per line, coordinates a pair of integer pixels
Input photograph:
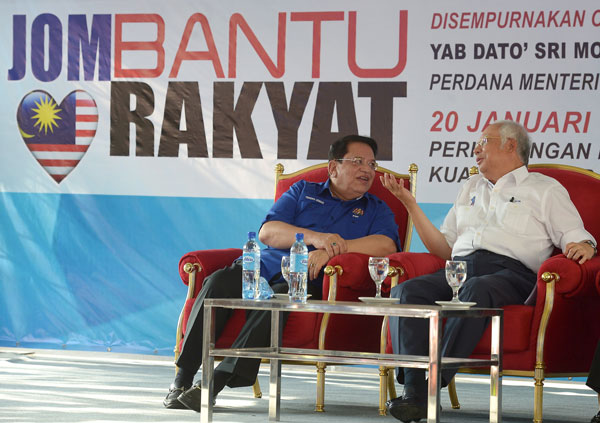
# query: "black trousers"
{"type": "Point", "coordinates": [593, 380]}
{"type": "Point", "coordinates": [256, 332]}
{"type": "Point", "coordinates": [493, 281]}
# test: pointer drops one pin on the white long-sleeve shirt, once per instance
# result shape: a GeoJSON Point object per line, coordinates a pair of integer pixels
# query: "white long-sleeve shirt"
{"type": "Point", "coordinates": [523, 216]}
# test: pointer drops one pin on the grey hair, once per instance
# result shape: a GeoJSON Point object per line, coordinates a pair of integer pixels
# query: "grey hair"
{"type": "Point", "coordinates": [510, 129]}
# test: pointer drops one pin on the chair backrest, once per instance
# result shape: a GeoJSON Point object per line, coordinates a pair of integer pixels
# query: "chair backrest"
{"type": "Point", "coordinates": [583, 186]}
{"type": "Point", "coordinates": [318, 173]}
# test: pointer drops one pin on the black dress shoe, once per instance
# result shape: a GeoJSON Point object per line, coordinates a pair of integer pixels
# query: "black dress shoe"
{"type": "Point", "coordinates": [171, 400]}
{"type": "Point", "coordinates": [596, 418]}
{"type": "Point", "coordinates": [191, 398]}
{"type": "Point", "coordinates": [407, 409]}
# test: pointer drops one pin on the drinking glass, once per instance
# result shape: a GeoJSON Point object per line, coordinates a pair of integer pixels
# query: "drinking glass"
{"type": "Point", "coordinates": [378, 268]}
{"type": "Point", "coordinates": [285, 271]}
{"type": "Point", "coordinates": [456, 274]}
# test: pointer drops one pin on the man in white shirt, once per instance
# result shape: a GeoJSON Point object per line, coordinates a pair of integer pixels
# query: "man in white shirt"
{"type": "Point", "coordinates": [504, 223]}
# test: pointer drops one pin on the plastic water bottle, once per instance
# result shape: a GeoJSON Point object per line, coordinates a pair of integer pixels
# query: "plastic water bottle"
{"type": "Point", "coordinates": [250, 268]}
{"type": "Point", "coordinates": [298, 270]}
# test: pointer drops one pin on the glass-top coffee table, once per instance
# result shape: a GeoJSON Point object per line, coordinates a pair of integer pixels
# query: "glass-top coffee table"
{"type": "Point", "coordinates": [434, 363]}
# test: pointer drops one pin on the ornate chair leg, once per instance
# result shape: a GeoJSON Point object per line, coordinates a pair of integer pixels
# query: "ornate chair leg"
{"type": "Point", "coordinates": [538, 393]}
{"type": "Point", "coordinates": [383, 378]}
{"type": "Point", "coordinates": [320, 405]}
{"type": "Point", "coordinates": [256, 389]}
{"type": "Point", "coordinates": [453, 395]}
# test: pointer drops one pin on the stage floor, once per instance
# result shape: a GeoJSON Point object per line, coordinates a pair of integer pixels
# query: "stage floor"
{"type": "Point", "coordinates": [74, 386]}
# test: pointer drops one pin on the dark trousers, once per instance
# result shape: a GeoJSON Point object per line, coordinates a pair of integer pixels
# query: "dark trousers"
{"type": "Point", "coordinates": [256, 332]}
{"type": "Point", "coordinates": [492, 281]}
{"type": "Point", "coordinates": [593, 380]}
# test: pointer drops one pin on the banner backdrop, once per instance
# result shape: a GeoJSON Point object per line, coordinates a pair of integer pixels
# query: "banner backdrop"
{"type": "Point", "coordinates": [133, 133]}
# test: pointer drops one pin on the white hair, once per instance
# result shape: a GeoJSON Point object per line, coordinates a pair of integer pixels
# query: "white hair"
{"type": "Point", "coordinates": [510, 129]}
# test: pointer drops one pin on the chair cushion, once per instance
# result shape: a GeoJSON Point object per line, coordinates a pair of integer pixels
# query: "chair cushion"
{"type": "Point", "coordinates": [517, 327]}
{"type": "Point", "coordinates": [517, 330]}
{"type": "Point", "coordinates": [301, 330]}
{"type": "Point", "coordinates": [232, 329]}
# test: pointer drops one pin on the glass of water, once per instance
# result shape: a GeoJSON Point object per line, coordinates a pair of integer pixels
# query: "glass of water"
{"type": "Point", "coordinates": [285, 271]}
{"type": "Point", "coordinates": [456, 274]}
{"type": "Point", "coordinates": [378, 268]}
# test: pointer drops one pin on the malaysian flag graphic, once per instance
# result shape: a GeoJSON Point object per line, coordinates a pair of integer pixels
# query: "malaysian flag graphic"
{"type": "Point", "coordinates": [58, 136]}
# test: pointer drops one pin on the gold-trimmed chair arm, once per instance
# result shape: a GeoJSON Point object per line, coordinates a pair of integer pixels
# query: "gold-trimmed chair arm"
{"type": "Point", "coordinates": [550, 277]}
{"type": "Point", "coordinates": [191, 269]}
{"type": "Point", "coordinates": [333, 272]}
{"type": "Point", "coordinates": [386, 379]}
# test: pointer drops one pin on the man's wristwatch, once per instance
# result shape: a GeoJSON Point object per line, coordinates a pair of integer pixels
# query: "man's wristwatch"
{"type": "Point", "coordinates": [591, 244]}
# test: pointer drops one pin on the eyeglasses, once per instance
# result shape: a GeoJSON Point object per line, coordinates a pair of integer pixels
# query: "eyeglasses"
{"type": "Point", "coordinates": [484, 140]}
{"type": "Point", "coordinates": [359, 161]}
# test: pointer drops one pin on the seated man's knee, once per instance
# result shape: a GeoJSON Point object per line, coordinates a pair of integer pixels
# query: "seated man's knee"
{"type": "Point", "coordinates": [475, 290]}
{"type": "Point", "coordinates": [407, 292]}
{"type": "Point", "coordinates": [397, 291]}
{"type": "Point", "coordinates": [211, 286]}
{"type": "Point", "coordinates": [221, 283]}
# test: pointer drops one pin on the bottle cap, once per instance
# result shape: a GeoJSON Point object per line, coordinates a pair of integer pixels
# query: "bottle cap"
{"type": "Point", "coordinates": [251, 234]}
{"type": "Point", "coordinates": [299, 236]}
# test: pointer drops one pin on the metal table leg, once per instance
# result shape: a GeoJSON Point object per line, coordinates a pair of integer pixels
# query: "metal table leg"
{"type": "Point", "coordinates": [496, 372]}
{"type": "Point", "coordinates": [208, 363]}
{"type": "Point", "coordinates": [275, 370]}
{"type": "Point", "coordinates": [435, 370]}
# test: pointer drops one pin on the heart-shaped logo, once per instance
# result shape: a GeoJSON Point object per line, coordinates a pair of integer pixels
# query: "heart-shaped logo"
{"type": "Point", "coordinates": [58, 135]}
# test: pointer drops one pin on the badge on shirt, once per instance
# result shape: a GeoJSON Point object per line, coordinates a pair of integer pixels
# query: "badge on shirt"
{"type": "Point", "coordinates": [314, 199]}
{"type": "Point", "coordinates": [357, 212]}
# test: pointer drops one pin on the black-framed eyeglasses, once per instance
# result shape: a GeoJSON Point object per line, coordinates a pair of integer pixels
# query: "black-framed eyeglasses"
{"type": "Point", "coordinates": [359, 161]}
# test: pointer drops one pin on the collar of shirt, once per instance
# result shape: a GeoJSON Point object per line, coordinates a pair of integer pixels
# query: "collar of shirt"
{"type": "Point", "coordinates": [516, 176]}
{"type": "Point", "coordinates": [326, 186]}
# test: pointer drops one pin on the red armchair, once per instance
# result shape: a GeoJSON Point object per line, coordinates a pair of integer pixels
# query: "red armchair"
{"type": "Point", "coordinates": [557, 336]}
{"type": "Point", "coordinates": [346, 279]}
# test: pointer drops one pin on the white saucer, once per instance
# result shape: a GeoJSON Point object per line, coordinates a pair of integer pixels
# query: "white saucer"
{"type": "Point", "coordinates": [281, 296]}
{"type": "Point", "coordinates": [450, 304]}
{"type": "Point", "coordinates": [379, 300]}
{"type": "Point", "coordinates": [286, 296]}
